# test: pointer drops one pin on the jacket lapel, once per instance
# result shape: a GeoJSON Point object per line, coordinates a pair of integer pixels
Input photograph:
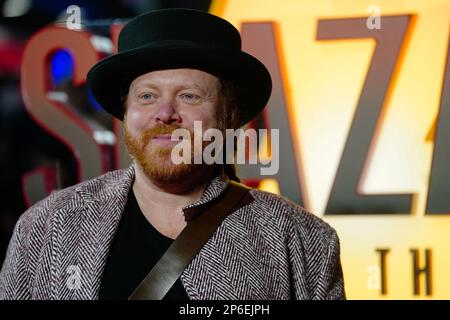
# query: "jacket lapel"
{"type": "Point", "coordinates": [104, 201]}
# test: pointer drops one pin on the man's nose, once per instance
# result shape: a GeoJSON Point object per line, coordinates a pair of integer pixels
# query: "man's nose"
{"type": "Point", "coordinates": [167, 112]}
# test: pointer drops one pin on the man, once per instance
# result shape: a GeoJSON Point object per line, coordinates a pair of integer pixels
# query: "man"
{"type": "Point", "coordinates": [100, 238]}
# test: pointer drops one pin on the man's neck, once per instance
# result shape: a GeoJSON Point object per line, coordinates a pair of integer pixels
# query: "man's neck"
{"type": "Point", "coordinates": [162, 203]}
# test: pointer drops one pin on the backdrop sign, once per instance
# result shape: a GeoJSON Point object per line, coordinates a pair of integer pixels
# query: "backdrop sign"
{"type": "Point", "coordinates": [364, 87]}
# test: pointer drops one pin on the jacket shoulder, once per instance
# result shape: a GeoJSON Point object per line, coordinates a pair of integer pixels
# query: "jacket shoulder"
{"type": "Point", "coordinates": [290, 214]}
{"type": "Point", "coordinates": [70, 198]}
{"type": "Point", "coordinates": [32, 239]}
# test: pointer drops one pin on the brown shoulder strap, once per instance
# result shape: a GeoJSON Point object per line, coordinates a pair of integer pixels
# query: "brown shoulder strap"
{"type": "Point", "coordinates": [181, 252]}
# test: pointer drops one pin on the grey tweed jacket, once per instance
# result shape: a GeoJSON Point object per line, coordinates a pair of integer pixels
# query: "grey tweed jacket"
{"type": "Point", "coordinates": [269, 248]}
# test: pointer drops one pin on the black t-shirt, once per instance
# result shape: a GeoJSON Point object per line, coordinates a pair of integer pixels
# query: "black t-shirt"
{"type": "Point", "coordinates": [136, 248]}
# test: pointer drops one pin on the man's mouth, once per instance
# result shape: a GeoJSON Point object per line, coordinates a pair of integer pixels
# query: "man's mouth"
{"type": "Point", "coordinates": [165, 138]}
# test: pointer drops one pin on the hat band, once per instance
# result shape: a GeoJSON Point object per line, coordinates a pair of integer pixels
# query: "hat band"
{"type": "Point", "coordinates": [176, 43]}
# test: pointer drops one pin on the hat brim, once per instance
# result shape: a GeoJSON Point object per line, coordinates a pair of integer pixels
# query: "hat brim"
{"type": "Point", "coordinates": [249, 76]}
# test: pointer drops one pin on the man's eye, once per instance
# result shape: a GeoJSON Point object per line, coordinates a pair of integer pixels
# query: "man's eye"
{"type": "Point", "coordinates": [189, 97]}
{"type": "Point", "coordinates": [146, 96]}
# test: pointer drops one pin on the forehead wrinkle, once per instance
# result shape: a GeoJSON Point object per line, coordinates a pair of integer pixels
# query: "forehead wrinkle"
{"type": "Point", "coordinates": [176, 80]}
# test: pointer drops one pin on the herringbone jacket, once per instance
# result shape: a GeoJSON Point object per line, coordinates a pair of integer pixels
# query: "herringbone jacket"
{"type": "Point", "coordinates": [270, 248]}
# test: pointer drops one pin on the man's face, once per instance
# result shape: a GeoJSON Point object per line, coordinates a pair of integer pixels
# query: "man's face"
{"type": "Point", "coordinates": [159, 102]}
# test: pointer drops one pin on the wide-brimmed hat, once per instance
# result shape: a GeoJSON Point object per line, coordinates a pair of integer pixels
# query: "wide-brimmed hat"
{"type": "Point", "coordinates": [181, 38]}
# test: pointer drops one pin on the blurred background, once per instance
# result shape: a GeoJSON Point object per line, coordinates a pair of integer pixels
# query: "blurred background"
{"type": "Point", "coordinates": [361, 96]}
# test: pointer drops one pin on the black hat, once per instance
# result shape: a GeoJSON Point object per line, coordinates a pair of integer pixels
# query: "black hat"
{"type": "Point", "coordinates": [181, 38]}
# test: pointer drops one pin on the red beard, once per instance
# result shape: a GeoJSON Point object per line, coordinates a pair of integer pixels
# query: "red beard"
{"type": "Point", "coordinates": [156, 162]}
